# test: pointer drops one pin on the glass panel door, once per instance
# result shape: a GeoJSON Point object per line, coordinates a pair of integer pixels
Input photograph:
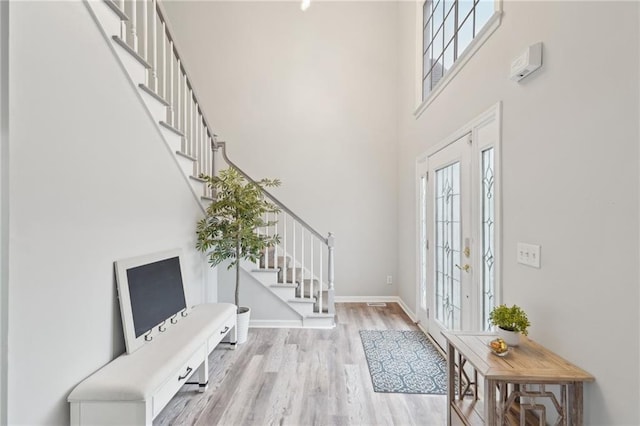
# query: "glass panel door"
{"type": "Point", "coordinates": [448, 209]}
{"type": "Point", "coordinates": [447, 246]}
{"type": "Point", "coordinates": [458, 240]}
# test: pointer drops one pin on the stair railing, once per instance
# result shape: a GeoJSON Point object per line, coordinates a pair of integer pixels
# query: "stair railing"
{"type": "Point", "coordinates": [147, 33]}
{"type": "Point", "coordinates": [307, 257]}
{"type": "Point", "coordinates": [304, 257]}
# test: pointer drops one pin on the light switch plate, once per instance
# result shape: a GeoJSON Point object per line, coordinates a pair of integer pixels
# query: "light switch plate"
{"type": "Point", "coordinates": [528, 254]}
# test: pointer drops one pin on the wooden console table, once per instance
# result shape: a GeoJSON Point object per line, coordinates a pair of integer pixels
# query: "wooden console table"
{"type": "Point", "coordinates": [513, 385]}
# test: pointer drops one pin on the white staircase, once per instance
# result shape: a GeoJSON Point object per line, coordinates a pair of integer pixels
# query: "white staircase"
{"type": "Point", "coordinates": [299, 271]}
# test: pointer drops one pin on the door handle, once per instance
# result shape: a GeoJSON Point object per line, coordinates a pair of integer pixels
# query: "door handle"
{"type": "Point", "coordinates": [466, 267]}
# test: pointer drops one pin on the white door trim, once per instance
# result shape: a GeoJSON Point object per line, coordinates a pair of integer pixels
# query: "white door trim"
{"type": "Point", "coordinates": [485, 132]}
{"type": "Point", "coordinates": [4, 205]}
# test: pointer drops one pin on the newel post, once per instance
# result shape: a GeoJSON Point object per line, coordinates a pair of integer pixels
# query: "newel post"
{"type": "Point", "coordinates": [331, 271]}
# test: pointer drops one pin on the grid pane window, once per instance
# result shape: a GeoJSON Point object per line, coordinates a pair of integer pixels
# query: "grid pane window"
{"type": "Point", "coordinates": [438, 15]}
{"type": "Point", "coordinates": [449, 54]}
{"type": "Point", "coordinates": [484, 10]}
{"type": "Point", "coordinates": [449, 27]}
{"type": "Point", "coordinates": [464, 9]}
{"type": "Point", "coordinates": [465, 34]}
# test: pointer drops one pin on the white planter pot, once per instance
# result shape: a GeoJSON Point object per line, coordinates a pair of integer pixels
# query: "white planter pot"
{"type": "Point", "coordinates": [243, 323]}
{"type": "Point", "coordinates": [511, 338]}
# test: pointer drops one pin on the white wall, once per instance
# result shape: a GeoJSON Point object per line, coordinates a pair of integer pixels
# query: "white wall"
{"type": "Point", "coordinates": [4, 203]}
{"type": "Point", "coordinates": [308, 97]}
{"type": "Point", "coordinates": [570, 180]}
{"type": "Point", "coordinates": [90, 183]}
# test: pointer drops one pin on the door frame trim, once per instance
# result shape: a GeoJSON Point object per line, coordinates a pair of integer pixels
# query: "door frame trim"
{"type": "Point", "coordinates": [4, 208]}
{"type": "Point", "coordinates": [481, 141]}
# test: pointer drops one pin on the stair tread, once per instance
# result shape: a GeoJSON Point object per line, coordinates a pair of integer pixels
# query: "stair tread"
{"type": "Point", "coordinates": [284, 285]}
{"type": "Point", "coordinates": [170, 127]}
{"type": "Point", "coordinates": [302, 300]}
{"type": "Point", "coordinates": [264, 270]}
{"type": "Point", "coordinates": [120, 42]}
{"type": "Point", "coordinates": [116, 9]}
{"type": "Point", "coordinates": [187, 156]}
{"type": "Point", "coordinates": [281, 260]}
{"type": "Point", "coordinates": [320, 315]}
{"type": "Point", "coordinates": [153, 94]}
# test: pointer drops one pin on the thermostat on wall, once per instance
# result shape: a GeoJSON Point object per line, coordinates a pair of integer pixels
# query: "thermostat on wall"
{"type": "Point", "coordinates": [527, 62]}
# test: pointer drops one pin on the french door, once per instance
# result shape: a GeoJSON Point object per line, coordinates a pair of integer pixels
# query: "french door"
{"type": "Point", "coordinates": [448, 250]}
{"type": "Point", "coordinates": [457, 259]}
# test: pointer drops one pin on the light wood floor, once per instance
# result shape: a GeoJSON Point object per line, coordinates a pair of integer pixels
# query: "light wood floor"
{"type": "Point", "coordinates": [304, 377]}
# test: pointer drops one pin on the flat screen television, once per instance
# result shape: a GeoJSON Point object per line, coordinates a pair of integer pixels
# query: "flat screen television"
{"type": "Point", "coordinates": [151, 294]}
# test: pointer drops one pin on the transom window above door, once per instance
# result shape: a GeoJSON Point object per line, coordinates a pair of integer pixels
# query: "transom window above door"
{"type": "Point", "coordinates": [452, 30]}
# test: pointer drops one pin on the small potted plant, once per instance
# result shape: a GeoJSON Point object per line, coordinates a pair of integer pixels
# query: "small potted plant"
{"type": "Point", "coordinates": [510, 322]}
{"type": "Point", "coordinates": [230, 227]}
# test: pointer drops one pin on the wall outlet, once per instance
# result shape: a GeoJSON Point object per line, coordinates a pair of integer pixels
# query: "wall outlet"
{"type": "Point", "coordinates": [389, 280]}
{"type": "Point", "coordinates": [529, 254]}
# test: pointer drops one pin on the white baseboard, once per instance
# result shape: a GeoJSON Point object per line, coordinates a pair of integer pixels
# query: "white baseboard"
{"type": "Point", "coordinates": [407, 311]}
{"type": "Point", "coordinates": [275, 324]}
{"type": "Point", "coordinates": [365, 299]}
{"type": "Point", "coordinates": [339, 299]}
{"type": "Point", "coordinates": [389, 299]}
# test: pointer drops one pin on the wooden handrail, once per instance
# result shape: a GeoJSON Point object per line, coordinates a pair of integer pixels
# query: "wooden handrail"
{"type": "Point", "coordinates": [222, 146]}
{"type": "Point", "coordinates": [161, 15]}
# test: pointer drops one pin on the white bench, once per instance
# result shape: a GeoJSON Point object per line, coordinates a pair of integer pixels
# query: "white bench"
{"type": "Point", "coordinates": [132, 389]}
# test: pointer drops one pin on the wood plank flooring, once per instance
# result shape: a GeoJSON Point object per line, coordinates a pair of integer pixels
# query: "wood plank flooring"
{"type": "Point", "coordinates": [304, 377]}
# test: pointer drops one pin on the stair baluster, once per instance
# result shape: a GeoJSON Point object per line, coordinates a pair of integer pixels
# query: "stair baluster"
{"type": "Point", "coordinates": [311, 276]}
{"type": "Point", "coordinates": [172, 102]}
{"type": "Point", "coordinates": [123, 23]}
{"type": "Point", "coordinates": [284, 247]}
{"type": "Point", "coordinates": [145, 31]}
{"type": "Point", "coordinates": [134, 24]}
{"type": "Point", "coordinates": [320, 281]}
{"type": "Point", "coordinates": [330, 262]}
{"type": "Point", "coordinates": [154, 48]}
{"type": "Point", "coordinates": [265, 253]}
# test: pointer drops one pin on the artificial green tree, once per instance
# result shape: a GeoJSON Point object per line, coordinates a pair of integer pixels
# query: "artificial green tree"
{"type": "Point", "coordinates": [230, 228]}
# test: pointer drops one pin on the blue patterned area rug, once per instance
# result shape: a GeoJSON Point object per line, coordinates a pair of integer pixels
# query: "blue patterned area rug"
{"type": "Point", "coordinates": [404, 361]}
